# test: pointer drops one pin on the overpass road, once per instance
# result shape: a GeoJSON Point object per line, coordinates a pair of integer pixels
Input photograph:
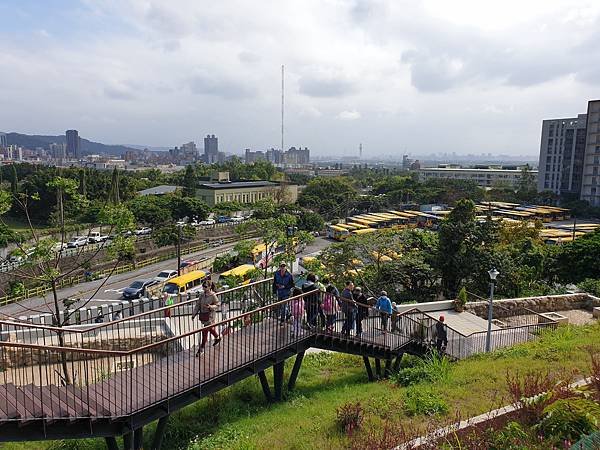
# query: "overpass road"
{"type": "Point", "coordinates": [108, 290]}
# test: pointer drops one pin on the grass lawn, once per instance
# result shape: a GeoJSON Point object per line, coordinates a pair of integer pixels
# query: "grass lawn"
{"type": "Point", "coordinates": [239, 417]}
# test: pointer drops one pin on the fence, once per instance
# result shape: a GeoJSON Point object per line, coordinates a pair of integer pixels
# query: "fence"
{"type": "Point", "coordinates": [137, 363]}
{"type": "Point", "coordinates": [79, 278]}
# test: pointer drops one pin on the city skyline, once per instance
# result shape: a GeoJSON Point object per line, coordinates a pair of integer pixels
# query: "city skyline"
{"type": "Point", "coordinates": [394, 76]}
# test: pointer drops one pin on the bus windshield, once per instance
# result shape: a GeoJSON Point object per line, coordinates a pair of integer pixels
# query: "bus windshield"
{"type": "Point", "coordinates": [171, 288]}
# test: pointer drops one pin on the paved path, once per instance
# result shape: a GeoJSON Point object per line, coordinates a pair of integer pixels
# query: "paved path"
{"type": "Point", "coordinates": [111, 289]}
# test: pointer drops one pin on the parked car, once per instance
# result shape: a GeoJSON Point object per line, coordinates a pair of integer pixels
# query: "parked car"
{"type": "Point", "coordinates": [77, 241]}
{"type": "Point", "coordinates": [207, 222]}
{"type": "Point", "coordinates": [223, 219]}
{"type": "Point", "coordinates": [165, 275]}
{"type": "Point", "coordinates": [137, 288]}
{"type": "Point", "coordinates": [236, 219]}
{"type": "Point", "coordinates": [95, 237]}
{"type": "Point", "coordinates": [143, 231]}
{"type": "Point", "coordinates": [188, 262]}
{"type": "Point", "coordinates": [19, 256]}
{"type": "Point", "coordinates": [59, 247]}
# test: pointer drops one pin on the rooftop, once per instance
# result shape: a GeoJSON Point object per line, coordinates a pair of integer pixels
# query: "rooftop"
{"type": "Point", "coordinates": [237, 184]}
{"type": "Point", "coordinates": [159, 190]}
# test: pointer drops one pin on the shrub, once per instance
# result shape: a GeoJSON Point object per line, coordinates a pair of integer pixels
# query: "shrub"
{"type": "Point", "coordinates": [433, 368]}
{"type": "Point", "coordinates": [590, 286]}
{"type": "Point", "coordinates": [461, 300]}
{"type": "Point", "coordinates": [349, 417]}
{"type": "Point", "coordinates": [589, 442]}
{"type": "Point", "coordinates": [512, 436]}
{"type": "Point", "coordinates": [569, 419]}
{"type": "Point", "coordinates": [424, 401]}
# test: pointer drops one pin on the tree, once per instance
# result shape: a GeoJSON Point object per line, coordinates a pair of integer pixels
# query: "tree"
{"type": "Point", "coordinates": [330, 197]}
{"type": "Point", "coordinates": [577, 260]}
{"type": "Point", "coordinates": [310, 221]}
{"type": "Point", "coordinates": [43, 265]}
{"type": "Point", "coordinates": [14, 181]}
{"type": "Point", "coordinates": [190, 207]}
{"type": "Point", "coordinates": [189, 181]}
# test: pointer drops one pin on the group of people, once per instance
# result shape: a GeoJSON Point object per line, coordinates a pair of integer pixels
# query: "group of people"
{"type": "Point", "coordinates": [319, 307]}
{"type": "Point", "coordinates": [323, 302]}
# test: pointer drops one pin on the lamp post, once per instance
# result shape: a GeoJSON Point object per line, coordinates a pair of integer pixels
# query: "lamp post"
{"type": "Point", "coordinates": [179, 249]}
{"type": "Point", "coordinates": [488, 340]}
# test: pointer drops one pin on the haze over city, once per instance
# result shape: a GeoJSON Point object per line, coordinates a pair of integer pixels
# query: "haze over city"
{"type": "Point", "coordinates": [399, 77]}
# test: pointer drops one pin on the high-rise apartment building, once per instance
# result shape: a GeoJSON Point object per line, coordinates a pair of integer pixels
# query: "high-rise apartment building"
{"type": "Point", "coordinates": [3, 140]}
{"type": "Point", "coordinates": [590, 189]}
{"type": "Point", "coordinates": [562, 149]}
{"type": "Point", "coordinates": [73, 143]}
{"type": "Point", "coordinates": [297, 156]}
{"type": "Point", "coordinates": [569, 161]}
{"type": "Point", "coordinates": [211, 149]}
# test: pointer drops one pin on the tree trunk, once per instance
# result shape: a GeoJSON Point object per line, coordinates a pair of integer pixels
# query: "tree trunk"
{"type": "Point", "coordinates": [61, 337]}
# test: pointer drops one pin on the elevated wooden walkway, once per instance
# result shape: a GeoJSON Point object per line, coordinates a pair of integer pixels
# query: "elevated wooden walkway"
{"type": "Point", "coordinates": [112, 379]}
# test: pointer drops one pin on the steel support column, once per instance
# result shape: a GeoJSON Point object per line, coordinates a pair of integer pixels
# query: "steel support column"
{"type": "Point", "coordinates": [128, 441]}
{"type": "Point", "coordinates": [369, 369]}
{"type": "Point", "coordinates": [265, 385]}
{"type": "Point", "coordinates": [138, 439]}
{"type": "Point", "coordinates": [159, 433]}
{"type": "Point", "coordinates": [378, 367]}
{"type": "Point", "coordinates": [388, 368]}
{"type": "Point", "coordinates": [111, 443]}
{"type": "Point", "coordinates": [295, 371]}
{"type": "Point", "coordinates": [278, 380]}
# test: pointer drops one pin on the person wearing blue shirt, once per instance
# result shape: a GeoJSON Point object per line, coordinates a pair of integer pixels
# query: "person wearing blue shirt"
{"type": "Point", "coordinates": [283, 282]}
{"type": "Point", "coordinates": [384, 305]}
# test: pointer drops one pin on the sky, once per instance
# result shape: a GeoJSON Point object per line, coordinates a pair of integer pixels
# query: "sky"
{"type": "Point", "coordinates": [416, 77]}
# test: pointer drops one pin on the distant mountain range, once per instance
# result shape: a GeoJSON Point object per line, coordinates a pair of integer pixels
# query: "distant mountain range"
{"type": "Point", "coordinates": [87, 147]}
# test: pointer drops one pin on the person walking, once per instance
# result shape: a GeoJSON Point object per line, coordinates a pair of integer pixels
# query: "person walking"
{"type": "Point", "coordinates": [441, 331]}
{"type": "Point", "coordinates": [330, 307]}
{"type": "Point", "coordinates": [348, 307]}
{"type": "Point", "coordinates": [206, 310]}
{"type": "Point", "coordinates": [283, 282]}
{"type": "Point", "coordinates": [311, 301]}
{"type": "Point", "coordinates": [297, 307]}
{"type": "Point", "coordinates": [395, 317]}
{"type": "Point", "coordinates": [384, 305]}
{"type": "Point", "coordinates": [362, 311]}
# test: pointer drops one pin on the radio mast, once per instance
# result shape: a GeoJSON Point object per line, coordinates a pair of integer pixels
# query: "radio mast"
{"type": "Point", "coordinates": [282, 104]}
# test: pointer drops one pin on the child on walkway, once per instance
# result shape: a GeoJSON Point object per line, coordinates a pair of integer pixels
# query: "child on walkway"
{"type": "Point", "coordinates": [330, 307]}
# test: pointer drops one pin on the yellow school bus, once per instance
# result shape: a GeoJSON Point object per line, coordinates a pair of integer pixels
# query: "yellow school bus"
{"type": "Point", "coordinates": [189, 282]}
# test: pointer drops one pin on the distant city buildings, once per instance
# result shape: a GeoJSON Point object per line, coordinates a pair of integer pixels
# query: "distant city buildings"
{"type": "Point", "coordinates": [483, 176]}
{"type": "Point", "coordinates": [570, 156]}
{"type": "Point", "coordinates": [3, 140]}
{"type": "Point", "coordinates": [292, 157]}
{"type": "Point", "coordinates": [211, 149]}
{"type": "Point", "coordinates": [73, 144]}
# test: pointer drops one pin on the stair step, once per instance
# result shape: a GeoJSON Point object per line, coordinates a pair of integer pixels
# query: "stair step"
{"type": "Point", "coordinates": [7, 408]}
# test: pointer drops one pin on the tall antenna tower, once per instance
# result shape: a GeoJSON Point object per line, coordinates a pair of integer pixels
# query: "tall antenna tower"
{"type": "Point", "coordinates": [282, 74]}
{"type": "Point", "coordinates": [360, 151]}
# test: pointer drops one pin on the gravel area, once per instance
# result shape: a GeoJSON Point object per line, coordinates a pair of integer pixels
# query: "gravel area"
{"type": "Point", "coordinates": [578, 316]}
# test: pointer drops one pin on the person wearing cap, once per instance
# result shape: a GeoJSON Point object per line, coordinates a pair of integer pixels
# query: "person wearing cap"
{"type": "Point", "coordinates": [283, 282]}
{"type": "Point", "coordinates": [384, 305]}
{"type": "Point", "coordinates": [395, 317]}
{"type": "Point", "coordinates": [441, 335]}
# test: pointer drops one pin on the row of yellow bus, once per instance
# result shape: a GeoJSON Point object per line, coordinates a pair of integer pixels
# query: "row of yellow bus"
{"type": "Point", "coordinates": [369, 222]}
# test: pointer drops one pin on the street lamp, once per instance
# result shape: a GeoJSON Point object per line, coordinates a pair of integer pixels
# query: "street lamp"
{"type": "Point", "coordinates": [488, 340]}
{"type": "Point", "coordinates": [179, 226]}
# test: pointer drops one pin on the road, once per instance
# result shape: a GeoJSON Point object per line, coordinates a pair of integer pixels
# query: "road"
{"type": "Point", "coordinates": [110, 290]}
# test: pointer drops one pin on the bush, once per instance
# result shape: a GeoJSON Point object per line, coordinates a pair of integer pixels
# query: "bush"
{"type": "Point", "coordinates": [433, 368]}
{"type": "Point", "coordinates": [569, 419]}
{"type": "Point", "coordinates": [349, 417]}
{"type": "Point", "coordinates": [591, 286]}
{"type": "Point", "coordinates": [424, 401]}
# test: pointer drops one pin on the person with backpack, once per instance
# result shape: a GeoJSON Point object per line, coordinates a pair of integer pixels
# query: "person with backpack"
{"type": "Point", "coordinates": [330, 307]}
{"type": "Point", "coordinates": [384, 305]}
{"type": "Point", "coordinates": [348, 307]}
{"type": "Point", "coordinates": [311, 301]}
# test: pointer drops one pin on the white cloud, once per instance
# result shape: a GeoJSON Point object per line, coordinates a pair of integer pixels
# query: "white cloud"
{"type": "Point", "coordinates": [164, 73]}
{"type": "Point", "coordinates": [349, 115]}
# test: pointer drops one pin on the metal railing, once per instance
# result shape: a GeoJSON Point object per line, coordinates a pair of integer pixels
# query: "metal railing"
{"type": "Point", "coordinates": [127, 373]}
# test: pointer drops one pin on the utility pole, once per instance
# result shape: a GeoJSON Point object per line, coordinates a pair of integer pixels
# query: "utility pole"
{"type": "Point", "coordinates": [574, 225]}
{"type": "Point", "coordinates": [178, 250]}
{"type": "Point", "coordinates": [282, 105]}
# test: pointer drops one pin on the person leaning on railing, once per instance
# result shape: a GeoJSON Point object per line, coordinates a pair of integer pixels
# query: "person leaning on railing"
{"type": "Point", "coordinates": [349, 308]}
{"type": "Point", "coordinates": [384, 305]}
{"type": "Point", "coordinates": [283, 282]}
{"type": "Point", "coordinates": [206, 309]}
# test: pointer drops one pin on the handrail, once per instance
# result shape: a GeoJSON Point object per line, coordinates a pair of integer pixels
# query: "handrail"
{"type": "Point", "coordinates": [154, 344]}
{"type": "Point", "coordinates": [124, 319]}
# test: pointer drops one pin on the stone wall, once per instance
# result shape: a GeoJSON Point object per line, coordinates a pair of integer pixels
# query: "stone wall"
{"type": "Point", "coordinates": [540, 304]}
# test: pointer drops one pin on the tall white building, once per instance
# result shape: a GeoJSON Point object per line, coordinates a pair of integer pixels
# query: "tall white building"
{"type": "Point", "coordinates": [570, 156]}
{"type": "Point", "coordinates": [561, 155]}
{"type": "Point", "coordinates": [590, 189]}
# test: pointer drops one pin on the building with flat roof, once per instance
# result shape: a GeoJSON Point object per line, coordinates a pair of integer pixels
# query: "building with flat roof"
{"type": "Point", "coordinates": [73, 143]}
{"type": "Point", "coordinates": [246, 192]}
{"type": "Point", "coordinates": [484, 177]}
{"type": "Point", "coordinates": [562, 151]}
{"type": "Point", "coordinates": [590, 186]}
{"type": "Point", "coordinates": [211, 149]}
